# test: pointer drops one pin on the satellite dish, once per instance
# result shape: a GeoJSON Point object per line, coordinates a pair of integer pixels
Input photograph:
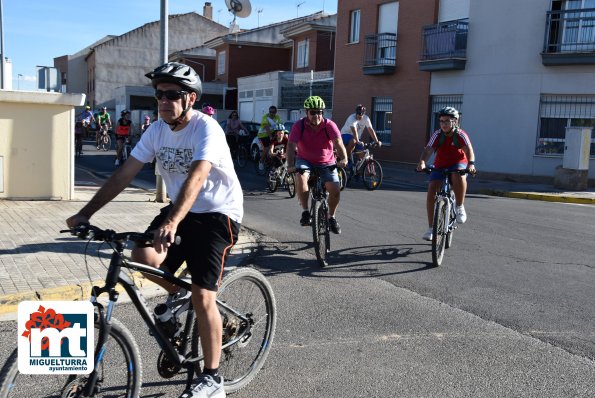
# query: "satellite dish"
{"type": "Point", "coordinates": [239, 8]}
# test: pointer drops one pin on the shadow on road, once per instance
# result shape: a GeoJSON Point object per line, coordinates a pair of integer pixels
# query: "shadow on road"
{"type": "Point", "coordinates": [362, 262]}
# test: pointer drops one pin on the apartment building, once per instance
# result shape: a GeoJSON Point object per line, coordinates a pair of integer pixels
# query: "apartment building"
{"type": "Point", "coordinates": [521, 72]}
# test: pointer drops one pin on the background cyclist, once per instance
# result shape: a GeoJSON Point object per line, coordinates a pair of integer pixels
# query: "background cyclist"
{"type": "Point", "coordinates": [232, 130]}
{"type": "Point", "coordinates": [123, 129]}
{"type": "Point", "coordinates": [314, 137]}
{"type": "Point", "coordinates": [269, 120]}
{"type": "Point", "coordinates": [86, 118]}
{"type": "Point", "coordinates": [353, 129]}
{"type": "Point", "coordinates": [453, 152]}
{"type": "Point", "coordinates": [103, 122]}
{"type": "Point", "coordinates": [206, 208]}
{"type": "Point", "coordinates": [278, 146]}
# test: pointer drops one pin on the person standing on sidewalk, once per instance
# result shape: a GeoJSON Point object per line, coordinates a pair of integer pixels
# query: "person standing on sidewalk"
{"type": "Point", "coordinates": [206, 209]}
{"type": "Point", "coordinates": [453, 152]}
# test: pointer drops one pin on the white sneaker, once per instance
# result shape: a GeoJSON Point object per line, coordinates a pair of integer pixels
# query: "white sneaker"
{"type": "Point", "coordinates": [206, 387]}
{"type": "Point", "coordinates": [117, 162]}
{"type": "Point", "coordinates": [461, 214]}
{"type": "Point", "coordinates": [427, 235]}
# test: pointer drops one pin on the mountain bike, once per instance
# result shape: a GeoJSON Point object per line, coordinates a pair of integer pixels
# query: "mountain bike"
{"type": "Point", "coordinates": [445, 218]}
{"type": "Point", "coordinates": [248, 313]}
{"type": "Point", "coordinates": [366, 167]}
{"type": "Point", "coordinates": [319, 213]}
{"type": "Point", "coordinates": [279, 177]}
{"type": "Point", "coordinates": [104, 141]}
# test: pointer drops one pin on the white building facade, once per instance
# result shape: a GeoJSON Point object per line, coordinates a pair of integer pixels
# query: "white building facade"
{"type": "Point", "coordinates": [529, 73]}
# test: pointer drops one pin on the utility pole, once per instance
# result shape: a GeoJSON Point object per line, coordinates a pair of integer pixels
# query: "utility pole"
{"type": "Point", "coordinates": [161, 191]}
{"type": "Point", "coordinates": [1, 50]}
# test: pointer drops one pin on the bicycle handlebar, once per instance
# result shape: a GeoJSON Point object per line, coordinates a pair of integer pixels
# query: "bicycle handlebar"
{"type": "Point", "coordinates": [88, 231]}
{"type": "Point", "coordinates": [429, 169]}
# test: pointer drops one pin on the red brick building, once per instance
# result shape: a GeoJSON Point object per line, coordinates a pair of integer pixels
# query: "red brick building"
{"type": "Point", "coordinates": [378, 46]}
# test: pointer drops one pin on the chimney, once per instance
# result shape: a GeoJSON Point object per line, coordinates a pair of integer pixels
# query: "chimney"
{"type": "Point", "coordinates": [207, 10]}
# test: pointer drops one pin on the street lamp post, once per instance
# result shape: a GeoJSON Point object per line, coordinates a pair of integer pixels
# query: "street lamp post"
{"type": "Point", "coordinates": [19, 81]}
{"type": "Point", "coordinates": [161, 191]}
{"type": "Point", "coordinates": [1, 50]}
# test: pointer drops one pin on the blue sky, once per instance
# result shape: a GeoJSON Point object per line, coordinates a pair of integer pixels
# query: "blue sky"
{"type": "Point", "coordinates": [37, 31]}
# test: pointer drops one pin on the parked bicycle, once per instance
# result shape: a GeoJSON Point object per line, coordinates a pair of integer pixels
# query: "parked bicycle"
{"type": "Point", "coordinates": [279, 177]}
{"type": "Point", "coordinates": [363, 164]}
{"type": "Point", "coordinates": [445, 218]}
{"type": "Point", "coordinates": [248, 313]}
{"type": "Point", "coordinates": [319, 213]}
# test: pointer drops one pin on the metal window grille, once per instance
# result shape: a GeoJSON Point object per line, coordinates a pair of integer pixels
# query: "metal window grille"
{"type": "Point", "coordinates": [439, 102]}
{"type": "Point", "coordinates": [382, 114]}
{"type": "Point", "coordinates": [556, 112]}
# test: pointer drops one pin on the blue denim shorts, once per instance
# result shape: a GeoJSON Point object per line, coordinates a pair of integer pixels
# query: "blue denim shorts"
{"type": "Point", "coordinates": [327, 175]}
{"type": "Point", "coordinates": [437, 175]}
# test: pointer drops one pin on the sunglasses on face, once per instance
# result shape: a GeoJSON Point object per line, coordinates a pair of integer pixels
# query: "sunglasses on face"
{"type": "Point", "coordinates": [315, 113]}
{"type": "Point", "coordinates": [272, 111]}
{"type": "Point", "coordinates": [172, 95]}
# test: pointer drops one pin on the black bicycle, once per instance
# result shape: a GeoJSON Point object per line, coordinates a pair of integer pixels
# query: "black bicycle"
{"type": "Point", "coordinates": [248, 312]}
{"type": "Point", "coordinates": [445, 217]}
{"type": "Point", "coordinates": [319, 213]}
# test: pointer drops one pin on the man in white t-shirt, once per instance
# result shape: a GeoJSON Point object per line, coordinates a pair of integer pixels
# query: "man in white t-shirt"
{"type": "Point", "coordinates": [206, 211]}
{"type": "Point", "coordinates": [354, 126]}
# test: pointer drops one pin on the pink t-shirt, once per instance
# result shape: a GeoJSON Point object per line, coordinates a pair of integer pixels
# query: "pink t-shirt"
{"type": "Point", "coordinates": [315, 147]}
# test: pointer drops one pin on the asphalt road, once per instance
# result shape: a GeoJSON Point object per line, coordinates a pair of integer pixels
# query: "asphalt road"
{"type": "Point", "coordinates": [511, 312]}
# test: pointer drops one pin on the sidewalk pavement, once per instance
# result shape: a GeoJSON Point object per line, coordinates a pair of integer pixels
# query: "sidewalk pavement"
{"type": "Point", "coordinates": [37, 263]}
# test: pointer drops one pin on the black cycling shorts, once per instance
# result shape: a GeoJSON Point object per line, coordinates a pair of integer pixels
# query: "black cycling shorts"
{"type": "Point", "coordinates": [206, 240]}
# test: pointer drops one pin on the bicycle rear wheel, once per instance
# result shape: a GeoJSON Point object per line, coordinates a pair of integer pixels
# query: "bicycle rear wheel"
{"type": "Point", "coordinates": [119, 372]}
{"type": "Point", "coordinates": [242, 155]}
{"type": "Point", "coordinates": [246, 291]}
{"type": "Point", "coordinates": [290, 181]}
{"type": "Point", "coordinates": [372, 174]}
{"type": "Point", "coordinates": [320, 232]}
{"type": "Point", "coordinates": [439, 230]}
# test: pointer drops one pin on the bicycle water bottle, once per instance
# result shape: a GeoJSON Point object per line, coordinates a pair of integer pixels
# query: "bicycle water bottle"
{"type": "Point", "coordinates": [165, 319]}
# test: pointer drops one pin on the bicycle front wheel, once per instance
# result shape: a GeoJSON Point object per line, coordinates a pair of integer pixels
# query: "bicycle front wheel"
{"type": "Point", "coordinates": [247, 292]}
{"type": "Point", "coordinates": [242, 156]}
{"type": "Point", "coordinates": [320, 232]}
{"type": "Point", "coordinates": [119, 373]}
{"type": "Point", "coordinates": [372, 174]}
{"type": "Point", "coordinates": [106, 142]}
{"type": "Point", "coordinates": [342, 177]}
{"type": "Point", "coordinates": [439, 230]}
{"type": "Point", "coordinates": [272, 180]}
{"type": "Point", "coordinates": [290, 181]}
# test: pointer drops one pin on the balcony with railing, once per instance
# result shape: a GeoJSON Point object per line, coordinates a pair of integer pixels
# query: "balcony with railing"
{"type": "Point", "coordinates": [444, 46]}
{"type": "Point", "coordinates": [380, 54]}
{"type": "Point", "coordinates": [569, 37]}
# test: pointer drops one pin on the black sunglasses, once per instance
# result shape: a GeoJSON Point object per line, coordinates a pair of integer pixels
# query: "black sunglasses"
{"type": "Point", "coordinates": [314, 113]}
{"type": "Point", "coordinates": [172, 95]}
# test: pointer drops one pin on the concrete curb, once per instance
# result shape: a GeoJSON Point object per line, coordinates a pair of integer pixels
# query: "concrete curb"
{"type": "Point", "coordinates": [538, 196]}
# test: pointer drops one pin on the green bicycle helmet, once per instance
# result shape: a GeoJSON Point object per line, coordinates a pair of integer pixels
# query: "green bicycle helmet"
{"type": "Point", "coordinates": [314, 102]}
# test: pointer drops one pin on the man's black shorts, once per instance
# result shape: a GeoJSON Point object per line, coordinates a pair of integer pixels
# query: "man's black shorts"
{"type": "Point", "coordinates": [207, 239]}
